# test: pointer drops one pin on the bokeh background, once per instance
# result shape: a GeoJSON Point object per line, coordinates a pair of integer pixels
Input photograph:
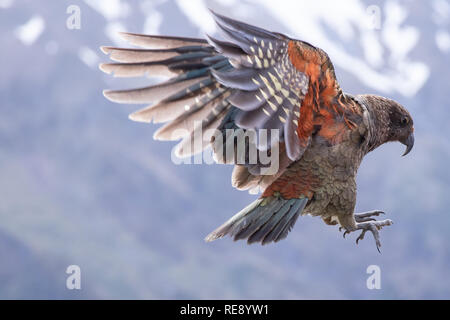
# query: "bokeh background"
{"type": "Point", "coordinates": [81, 184]}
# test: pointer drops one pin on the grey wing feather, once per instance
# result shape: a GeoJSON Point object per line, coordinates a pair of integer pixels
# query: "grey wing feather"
{"type": "Point", "coordinates": [160, 42]}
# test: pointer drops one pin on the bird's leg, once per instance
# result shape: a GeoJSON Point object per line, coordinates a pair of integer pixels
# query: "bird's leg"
{"type": "Point", "coordinates": [366, 216]}
{"type": "Point", "coordinates": [372, 226]}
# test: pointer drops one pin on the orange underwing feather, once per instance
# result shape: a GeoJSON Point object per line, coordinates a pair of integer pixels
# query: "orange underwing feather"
{"type": "Point", "coordinates": [306, 121]}
{"type": "Point", "coordinates": [322, 105]}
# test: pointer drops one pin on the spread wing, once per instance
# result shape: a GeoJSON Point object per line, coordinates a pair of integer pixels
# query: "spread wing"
{"type": "Point", "coordinates": [271, 78]}
{"type": "Point", "coordinates": [255, 80]}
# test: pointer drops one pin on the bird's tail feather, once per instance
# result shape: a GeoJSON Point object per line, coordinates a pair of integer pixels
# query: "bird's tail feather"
{"type": "Point", "coordinates": [265, 220]}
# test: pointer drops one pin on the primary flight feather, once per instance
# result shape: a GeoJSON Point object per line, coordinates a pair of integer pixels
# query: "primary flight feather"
{"type": "Point", "coordinates": [260, 80]}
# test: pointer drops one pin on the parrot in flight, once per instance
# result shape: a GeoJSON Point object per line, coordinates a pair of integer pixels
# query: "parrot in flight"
{"type": "Point", "coordinates": [260, 80]}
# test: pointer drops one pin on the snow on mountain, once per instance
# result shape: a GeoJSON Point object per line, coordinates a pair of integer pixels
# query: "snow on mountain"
{"type": "Point", "coordinates": [29, 32]}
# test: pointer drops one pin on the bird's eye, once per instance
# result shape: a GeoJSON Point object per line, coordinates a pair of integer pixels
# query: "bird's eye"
{"type": "Point", "coordinates": [404, 121]}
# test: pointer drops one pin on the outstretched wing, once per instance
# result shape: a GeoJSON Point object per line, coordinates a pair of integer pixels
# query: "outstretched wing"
{"type": "Point", "coordinates": [191, 94]}
{"type": "Point", "coordinates": [255, 80]}
{"type": "Point", "coordinates": [278, 83]}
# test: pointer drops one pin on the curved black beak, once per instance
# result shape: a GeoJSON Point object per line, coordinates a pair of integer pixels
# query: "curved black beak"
{"type": "Point", "coordinates": [409, 143]}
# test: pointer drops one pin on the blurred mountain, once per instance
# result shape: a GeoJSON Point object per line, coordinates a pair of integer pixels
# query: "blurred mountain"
{"type": "Point", "coordinates": [81, 184]}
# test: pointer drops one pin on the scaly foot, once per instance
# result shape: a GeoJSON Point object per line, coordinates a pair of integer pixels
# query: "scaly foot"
{"type": "Point", "coordinates": [372, 226]}
{"type": "Point", "coordinates": [366, 216]}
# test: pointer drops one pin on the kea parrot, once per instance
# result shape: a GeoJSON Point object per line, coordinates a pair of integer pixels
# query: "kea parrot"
{"type": "Point", "coordinates": [257, 80]}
